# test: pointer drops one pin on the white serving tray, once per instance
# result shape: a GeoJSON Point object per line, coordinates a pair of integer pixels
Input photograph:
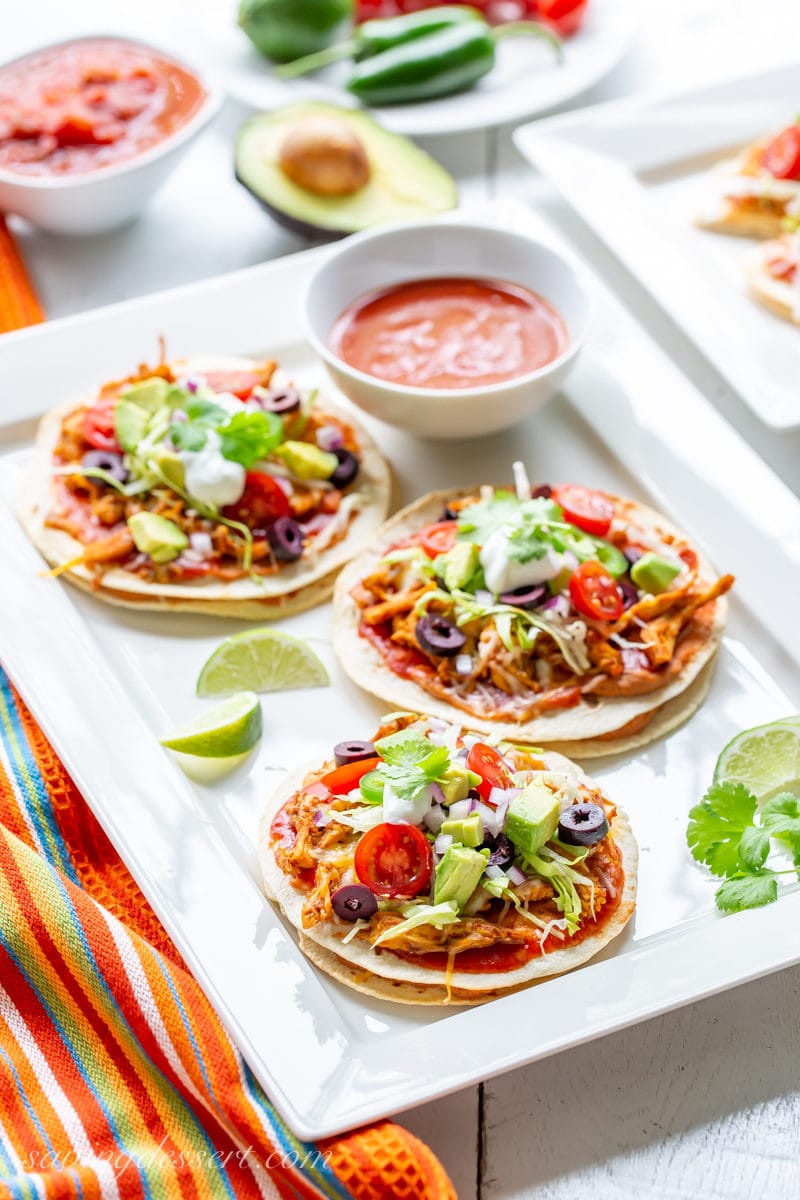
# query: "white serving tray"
{"type": "Point", "coordinates": [637, 171]}
{"type": "Point", "coordinates": [105, 683]}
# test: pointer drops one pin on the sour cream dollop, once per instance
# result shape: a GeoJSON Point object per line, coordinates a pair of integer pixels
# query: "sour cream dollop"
{"type": "Point", "coordinates": [503, 574]}
{"type": "Point", "coordinates": [210, 477]}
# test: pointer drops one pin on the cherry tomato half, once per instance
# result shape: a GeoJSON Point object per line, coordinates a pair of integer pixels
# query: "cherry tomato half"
{"type": "Point", "coordinates": [98, 425]}
{"type": "Point", "coordinates": [439, 538]}
{"type": "Point", "coordinates": [565, 16]}
{"type": "Point", "coordinates": [782, 265]}
{"type": "Point", "coordinates": [238, 383]}
{"type": "Point", "coordinates": [394, 860]}
{"type": "Point", "coordinates": [262, 502]}
{"type": "Point", "coordinates": [782, 156]}
{"type": "Point", "coordinates": [591, 511]}
{"type": "Point", "coordinates": [345, 779]}
{"type": "Point", "coordinates": [594, 592]}
{"type": "Point", "coordinates": [489, 764]}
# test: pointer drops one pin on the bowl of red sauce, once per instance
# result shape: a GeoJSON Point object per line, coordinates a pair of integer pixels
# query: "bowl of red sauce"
{"type": "Point", "coordinates": [444, 329]}
{"type": "Point", "coordinates": [90, 128]}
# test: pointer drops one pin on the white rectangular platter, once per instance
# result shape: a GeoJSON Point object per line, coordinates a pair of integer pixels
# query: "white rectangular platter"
{"type": "Point", "coordinates": [638, 172]}
{"type": "Point", "coordinates": [105, 683]}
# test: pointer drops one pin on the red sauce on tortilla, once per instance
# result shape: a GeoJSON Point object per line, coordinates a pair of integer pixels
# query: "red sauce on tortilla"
{"type": "Point", "coordinates": [282, 832]}
{"type": "Point", "coordinates": [404, 661]}
{"type": "Point", "coordinates": [450, 333]}
{"type": "Point", "coordinates": [91, 103]}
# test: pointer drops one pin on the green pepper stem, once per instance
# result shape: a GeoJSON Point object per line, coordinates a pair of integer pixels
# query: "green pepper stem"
{"type": "Point", "coordinates": [315, 62]}
{"type": "Point", "coordinates": [532, 29]}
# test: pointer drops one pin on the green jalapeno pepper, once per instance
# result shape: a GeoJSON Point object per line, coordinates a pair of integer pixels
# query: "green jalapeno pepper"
{"type": "Point", "coordinates": [422, 56]}
{"type": "Point", "coordinates": [440, 64]}
{"type": "Point", "coordinates": [381, 34]}
{"type": "Point", "coordinates": [284, 30]}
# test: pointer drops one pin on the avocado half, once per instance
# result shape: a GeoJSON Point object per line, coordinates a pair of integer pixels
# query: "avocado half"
{"type": "Point", "coordinates": [404, 183]}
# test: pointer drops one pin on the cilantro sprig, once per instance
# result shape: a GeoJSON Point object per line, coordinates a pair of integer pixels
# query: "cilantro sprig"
{"type": "Point", "coordinates": [245, 437]}
{"type": "Point", "coordinates": [733, 839]}
{"type": "Point", "coordinates": [410, 763]}
{"type": "Point", "coordinates": [532, 527]}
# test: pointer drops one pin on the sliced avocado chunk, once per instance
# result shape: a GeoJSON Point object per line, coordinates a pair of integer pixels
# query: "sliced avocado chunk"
{"type": "Point", "coordinates": [156, 536]}
{"type": "Point", "coordinates": [307, 461]}
{"type": "Point", "coordinates": [404, 183]}
{"type": "Point", "coordinates": [532, 818]}
{"type": "Point", "coordinates": [170, 465]}
{"type": "Point", "coordinates": [458, 874]}
{"type": "Point", "coordinates": [130, 423]}
{"type": "Point", "coordinates": [654, 574]}
{"type": "Point", "coordinates": [468, 831]}
{"type": "Point", "coordinates": [458, 565]}
{"type": "Point", "coordinates": [148, 393]}
{"type": "Point", "coordinates": [456, 782]}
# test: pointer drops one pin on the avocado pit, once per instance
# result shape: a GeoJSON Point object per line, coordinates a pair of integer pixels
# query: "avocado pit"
{"type": "Point", "coordinates": [323, 155]}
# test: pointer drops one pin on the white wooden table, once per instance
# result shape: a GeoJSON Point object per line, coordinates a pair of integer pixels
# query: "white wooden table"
{"type": "Point", "coordinates": [702, 1103]}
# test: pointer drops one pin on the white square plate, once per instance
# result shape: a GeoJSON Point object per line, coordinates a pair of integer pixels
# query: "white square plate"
{"type": "Point", "coordinates": [105, 682]}
{"type": "Point", "coordinates": [638, 172]}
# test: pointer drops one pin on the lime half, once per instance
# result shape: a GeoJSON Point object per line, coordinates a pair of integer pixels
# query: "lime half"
{"type": "Point", "coordinates": [261, 660]}
{"type": "Point", "coordinates": [229, 728]}
{"type": "Point", "coordinates": [765, 759]}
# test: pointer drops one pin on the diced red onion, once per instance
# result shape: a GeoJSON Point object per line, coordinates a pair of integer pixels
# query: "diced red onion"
{"type": "Point", "coordinates": [191, 382]}
{"type": "Point", "coordinates": [464, 664]}
{"type": "Point", "coordinates": [494, 872]}
{"type": "Point", "coordinates": [559, 605]}
{"type": "Point", "coordinates": [489, 818]}
{"type": "Point", "coordinates": [502, 809]}
{"type": "Point", "coordinates": [437, 793]}
{"type": "Point", "coordinates": [570, 560]}
{"type": "Point", "coordinates": [317, 523]}
{"type": "Point", "coordinates": [443, 843]}
{"type": "Point", "coordinates": [322, 818]}
{"type": "Point", "coordinates": [462, 753]}
{"type": "Point", "coordinates": [284, 484]}
{"type": "Point", "coordinates": [516, 875]}
{"type": "Point", "coordinates": [635, 660]}
{"type": "Point", "coordinates": [330, 437]}
{"type": "Point", "coordinates": [484, 597]}
{"type": "Point", "coordinates": [435, 817]}
{"type": "Point", "coordinates": [498, 795]}
{"type": "Point", "coordinates": [605, 881]}
{"type": "Point", "coordinates": [473, 804]}
{"type": "Point", "coordinates": [201, 544]}
{"type": "Point", "coordinates": [461, 809]}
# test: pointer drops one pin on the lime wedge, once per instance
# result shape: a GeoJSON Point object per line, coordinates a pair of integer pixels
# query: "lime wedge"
{"type": "Point", "coordinates": [765, 759]}
{"type": "Point", "coordinates": [230, 727]}
{"type": "Point", "coordinates": [261, 660]}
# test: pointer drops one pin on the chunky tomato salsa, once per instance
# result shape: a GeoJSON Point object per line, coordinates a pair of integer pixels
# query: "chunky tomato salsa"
{"type": "Point", "coordinates": [83, 105]}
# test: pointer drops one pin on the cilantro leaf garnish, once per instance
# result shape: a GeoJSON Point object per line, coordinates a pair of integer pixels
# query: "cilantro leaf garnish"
{"type": "Point", "coordinates": [411, 763]}
{"type": "Point", "coordinates": [716, 826]}
{"type": "Point", "coordinates": [188, 435]}
{"type": "Point", "coordinates": [727, 834]}
{"type": "Point", "coordinates": [747, 891]}
{"type": "Point", "coordinates": [201, 416]}
{"type": "Point", "coordinates": [250, 436]}
{"type": "Point", "coordinates": [477, 522]}
{"type": "Point", "coordinates": [781, 816]}
{"type": "Point", "coordinates": [246, 437]}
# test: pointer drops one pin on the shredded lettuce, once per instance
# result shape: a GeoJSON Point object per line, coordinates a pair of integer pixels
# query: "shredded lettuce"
{"type": "Point", "coordinates": [560, 871]}
{"type": "Point", "coordinates": [361, 818]}
{"type": "Point", "coordinates": [437, 915]}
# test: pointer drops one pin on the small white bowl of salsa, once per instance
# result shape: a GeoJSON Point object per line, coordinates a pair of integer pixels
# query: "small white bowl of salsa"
{"type": "Point", "coordinates": [90, 128]}
{"type": "Point", "coordinates": [444, 329]}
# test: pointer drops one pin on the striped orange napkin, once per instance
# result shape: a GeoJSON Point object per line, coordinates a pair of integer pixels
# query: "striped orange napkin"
{"type": "Point", "coordinates": [117, 1079]}
{"type": "Point", "coordinates": [19, 305]}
